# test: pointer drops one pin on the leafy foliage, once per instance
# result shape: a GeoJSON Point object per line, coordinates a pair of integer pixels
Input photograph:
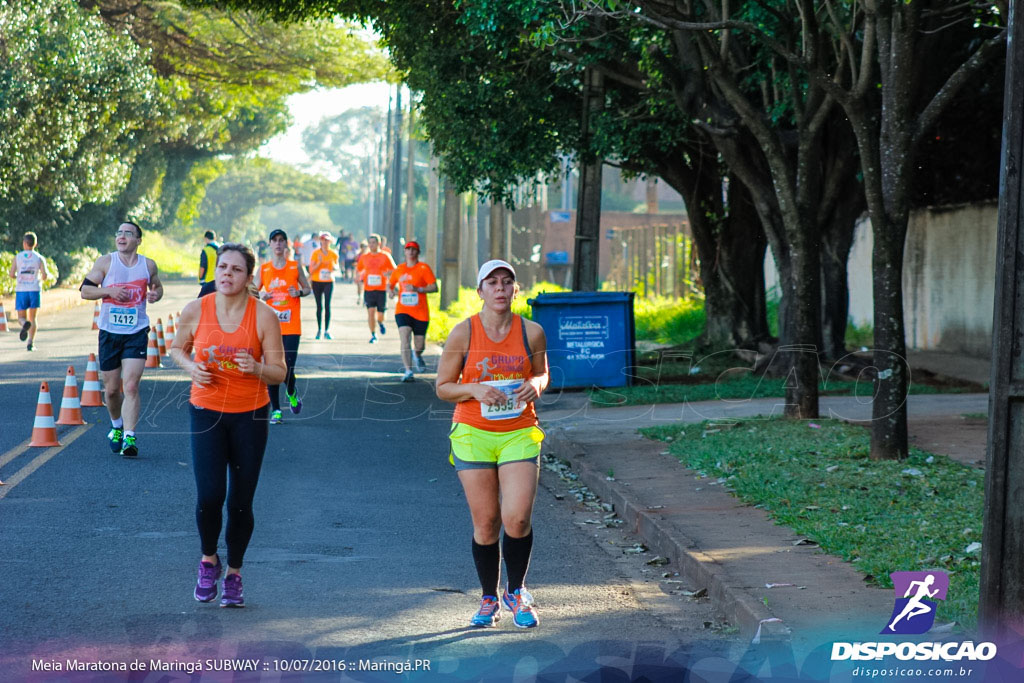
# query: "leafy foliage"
{"type": "Point", "coordinates": [249, 184]}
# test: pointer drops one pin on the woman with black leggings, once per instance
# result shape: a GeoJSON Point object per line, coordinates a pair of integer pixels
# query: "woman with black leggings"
{"type": "Point", "coordinates": [237, 343]}
{"type": "Point", "coordinates": [323, 263]}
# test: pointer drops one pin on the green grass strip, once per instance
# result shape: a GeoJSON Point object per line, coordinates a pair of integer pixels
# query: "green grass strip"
{"type": "Point", "coordinates": [649, 390]}
{"type": "Point", "coordinates": [881, 516]}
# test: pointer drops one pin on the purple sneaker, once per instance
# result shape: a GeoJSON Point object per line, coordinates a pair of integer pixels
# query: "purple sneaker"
{"type": "Point", "coordinates": [206, 585]}
{"type": "Point", "coordinates": [232, 596]}
{"type": "Point", "coordinates": [294, 403]}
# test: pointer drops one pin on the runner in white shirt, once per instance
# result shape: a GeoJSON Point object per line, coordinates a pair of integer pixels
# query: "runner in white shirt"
{"type": "Point", "coordinates": [29, 269]}
{"type": "Point", "coordinates": [126, 282]}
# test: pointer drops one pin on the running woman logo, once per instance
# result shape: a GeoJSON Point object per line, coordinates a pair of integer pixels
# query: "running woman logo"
{"type": "Point", "coordinates": [916, 595]}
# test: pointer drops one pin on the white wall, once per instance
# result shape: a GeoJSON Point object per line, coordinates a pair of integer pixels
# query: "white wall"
{"type": "Point", "coordinates": [949, 278]}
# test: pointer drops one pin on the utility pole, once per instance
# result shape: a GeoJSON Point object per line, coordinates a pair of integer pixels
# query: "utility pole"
{"type": "Point", "coordinates": [433, 203]}
{"type": "Point", "coordinates": [450, 279]}
{"type": "Point", "coordinates": [396, 183]}
{"type": "Point", "coordinates": [473, 229]}
{"type": "Point", "coordinates": [385, 169]}
{"type": "Point", "coordinates": [588, 203]}
{"type": "Point", "coordinates": [410, 184]}
{"type": "Point", "coordinates": [1001, 604]}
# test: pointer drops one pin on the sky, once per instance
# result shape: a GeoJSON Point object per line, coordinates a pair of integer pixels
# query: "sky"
{"type": "Point", "coordinates": [308, 108]}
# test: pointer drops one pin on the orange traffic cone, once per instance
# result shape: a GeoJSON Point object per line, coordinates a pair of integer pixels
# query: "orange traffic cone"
{"type": "Point", "coordinates": [3, 318]}
{"type": "Point", "coordinates": [96, 316]}
{"type": "Point", "coordinates": [92, 392]}
{"type": "Point", "coordinates": [44, 431]}
{"type": "Point", "coordinates": [152, 352]}
{"type": "Point", "coordinates": [161, 342]}
{"type": "Point", "coordinates": [169, 332]}
{"type": "Point", "coordinates": [70, 407]}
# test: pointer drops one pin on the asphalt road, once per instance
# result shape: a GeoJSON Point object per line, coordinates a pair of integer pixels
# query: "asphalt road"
{"type": "Point", "coordinates": [360, 557]}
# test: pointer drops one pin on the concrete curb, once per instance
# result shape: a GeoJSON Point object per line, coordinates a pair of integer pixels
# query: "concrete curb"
{"type": "Point", "coordinates": [737, 605]}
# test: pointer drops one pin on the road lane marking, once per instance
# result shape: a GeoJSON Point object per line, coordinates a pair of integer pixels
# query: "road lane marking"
{"type": "Point", "coordinates": [14, 452]}
{"type": "Point", "coordinates": [39, 460]}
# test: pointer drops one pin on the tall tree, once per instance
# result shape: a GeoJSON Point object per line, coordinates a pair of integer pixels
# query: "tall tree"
{"type": "Point", "coordinates": [250, 184]}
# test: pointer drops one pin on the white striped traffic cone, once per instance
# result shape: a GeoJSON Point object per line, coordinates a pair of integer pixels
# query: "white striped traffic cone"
{"type": "Point", "coordinates": [70, 406]}
{"type": "Point", "coordinates": [169, 332]}
{"type": "Point", "coordinates": [3, 318]}
{"type": "Point", "coordinates": [44, 431]}
{"type": "Point", "coordinates": [161, 343]}
{"type": "Point", "coordinates": [96, 316]}
{"type": "Point", "coordinates": [152, 352]}
{"type": "Point", "coordinates": [92, 392]}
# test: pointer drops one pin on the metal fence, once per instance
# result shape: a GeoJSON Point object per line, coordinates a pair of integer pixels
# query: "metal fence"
{"type": "Point", "coordinates": [657, 260]}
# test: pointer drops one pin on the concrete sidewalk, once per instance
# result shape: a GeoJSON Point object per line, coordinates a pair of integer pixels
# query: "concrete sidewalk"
{"type": "Point", "coordinates": [53, 301]}
{"type": "Point", "coordinates": [713, 539]}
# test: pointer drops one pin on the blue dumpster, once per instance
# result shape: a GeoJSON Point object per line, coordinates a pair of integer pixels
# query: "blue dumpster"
{"type": "Point", "coordinates": [591, 337]}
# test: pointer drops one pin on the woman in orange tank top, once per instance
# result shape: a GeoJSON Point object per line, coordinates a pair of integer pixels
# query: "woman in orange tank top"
{"type": "Point", "coordinates": [238, 350]}
{"type": "Point", "coordinates": [494, 366]}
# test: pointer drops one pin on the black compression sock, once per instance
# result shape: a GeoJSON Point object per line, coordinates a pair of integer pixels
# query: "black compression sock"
{"type": "Point", "coordinates": [487, 559]}
{"type": "Point", "coordinates": [517, 558]}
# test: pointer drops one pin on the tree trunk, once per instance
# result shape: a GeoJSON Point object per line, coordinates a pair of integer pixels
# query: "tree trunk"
{"type": "Point", "coordinates": [889, 409]}
{"type": "Point", "coordinates": [433, 197]}
{"type": "Point", "coordinates": [450, 246]}
{"type": "Point", "coordinates": [836, 241]}
{"type": "Point", "coordinates": [588, 204]}
{"type": "Point", "coordinates": [730, 245]}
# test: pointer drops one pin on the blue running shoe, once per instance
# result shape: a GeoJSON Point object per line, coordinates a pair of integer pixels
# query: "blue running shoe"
{"type": "Point", "coordinates": [206, 584]}
{"type": "Point", "coordinates": [276, 418]}
{"type": "Point", "coordinates": [488, 614]}
{"type": "Point", "coordinates": [115, 436]}
{"type": "Point", "coordinates": [232, 596]}
{"type": "Point", "coordinates": [382, 330]}
{"type": "Point", "coordinates": [373, 339]}
{"type": "Point", "coordinates": [520, 603]}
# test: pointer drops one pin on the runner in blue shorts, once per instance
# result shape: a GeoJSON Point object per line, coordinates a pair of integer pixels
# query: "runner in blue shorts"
{"type": "Point", "coordinates": [29, 269]}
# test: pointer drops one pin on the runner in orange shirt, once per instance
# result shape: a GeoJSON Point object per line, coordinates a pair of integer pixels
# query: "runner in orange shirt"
{"type": "Point", "coordinates": [411, 282]}
{"type": "Point", "coordinates": [281, 283]}
{"type": "Point", "coordinates": [494, 367]}
{"type": "Point", "coordinates": [323, 263]}
{"type": "Point", "coordinates": [364, 248]}
{"type": "Point", "coordinates": [374, 267]}
{"type": "Point", "coordinates": [236, 341]}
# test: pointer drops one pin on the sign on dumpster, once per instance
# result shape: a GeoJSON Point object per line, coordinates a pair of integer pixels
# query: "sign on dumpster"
{"type": "Point", "coordinates": [591, 337]}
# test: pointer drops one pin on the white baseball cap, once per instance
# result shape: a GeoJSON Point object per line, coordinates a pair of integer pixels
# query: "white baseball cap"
{"type": "Point", "coordinates": [491, 266]}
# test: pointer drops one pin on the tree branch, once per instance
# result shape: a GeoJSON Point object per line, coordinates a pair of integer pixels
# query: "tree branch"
{"type": "Point", "coordinates": [981, 57]}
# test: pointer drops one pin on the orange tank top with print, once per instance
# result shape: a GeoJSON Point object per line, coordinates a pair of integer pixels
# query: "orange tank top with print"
{"type": "Point", "coordinates": [277, 282]}
{"type": "Point", "coordinates": [230, 390]}
{"type": "Point", "coordinates": [504, 364]}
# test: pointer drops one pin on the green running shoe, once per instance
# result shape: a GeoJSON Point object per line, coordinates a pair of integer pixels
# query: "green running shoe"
{"type": "Point", "coordinates": [128, 447]}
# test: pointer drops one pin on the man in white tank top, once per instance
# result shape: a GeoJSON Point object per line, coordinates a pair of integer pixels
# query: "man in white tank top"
{"type": "Point", "coordinates": [125, 282]}
{"type": "Point", "coordinates": [29, 269]}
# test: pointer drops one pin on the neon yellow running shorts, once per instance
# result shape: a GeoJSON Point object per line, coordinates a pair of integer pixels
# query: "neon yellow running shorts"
{"type": "Point", "coordinates": [474, 448]}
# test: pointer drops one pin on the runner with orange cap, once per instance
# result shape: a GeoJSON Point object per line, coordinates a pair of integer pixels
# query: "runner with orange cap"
{"type": "Point", "coordinates": [323, 263]}
{"type": "Point", "coordinates": [493, 367]}
{"type": "Point", "coordinates": [238, 351]}
{"type": "Point", "coordinates": [411, 281]}
{"type": "Point", "coordinates": [374, 267]}
{"type": "Point", "coordinates": [125, 281]}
